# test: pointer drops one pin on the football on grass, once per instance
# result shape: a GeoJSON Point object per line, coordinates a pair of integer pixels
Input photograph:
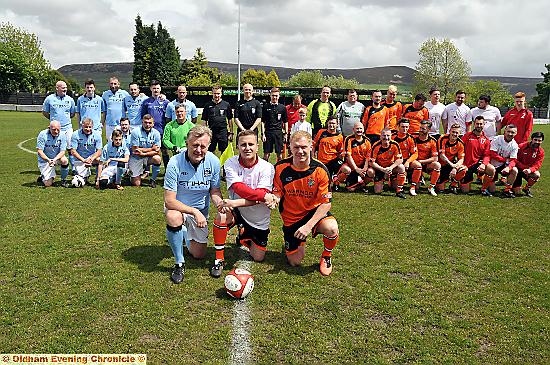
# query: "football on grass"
{"type": "Point", "coordinates": [239, 283]}
{"type": "Point", "coordinates": [78, 181]}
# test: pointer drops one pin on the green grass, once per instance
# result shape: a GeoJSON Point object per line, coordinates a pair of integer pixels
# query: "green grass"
{"type": "Point", "coordinates": [452, 279]}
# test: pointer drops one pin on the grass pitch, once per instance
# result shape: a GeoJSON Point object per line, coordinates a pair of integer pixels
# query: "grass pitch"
{"type": "Point", "coordinates": [451, 279]}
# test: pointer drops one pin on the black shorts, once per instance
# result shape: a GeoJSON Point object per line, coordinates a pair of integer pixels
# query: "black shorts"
{"type": "Point", "coordinates": [273, 142]}
{"type": "Point", "coordinates": [519, 179]}
{"type": "Point", "coordinates": [498, 170]}
{"type": "Point", "coordinates": [219, 139]}
{"type": "Point", "coordinates": [333, 166]}
{"type": "Point", "coordinates": [445, 174]}
{"type": "Point", "coordinates": [470, 173]}
{"type": "Point", "coordinates": [246, 231]}
{"type": "Point", "coordinates": [292, 243]}
{"type": "Point", "coordinates": [379, 175]}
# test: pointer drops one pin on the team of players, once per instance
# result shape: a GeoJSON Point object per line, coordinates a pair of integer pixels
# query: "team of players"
{"type": "Point", "coordinates": [299, 185]}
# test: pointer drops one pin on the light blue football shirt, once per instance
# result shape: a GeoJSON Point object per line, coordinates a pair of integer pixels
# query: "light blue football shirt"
{"type": "Point", "coordinates": [190, 110]}
{"type": "Point", "coordinates": [192, 185]}
{"type": "Point", "coordinates": [112, 151]}
{"type": "Point", "coordinates": [140, 138]}
{"type": "Point", "coordinates": [85, 145]}
{"type": "Point", "coordinates": [60, 109]}
{"type": "Point", "coordinates": [113, 105]}
{"type": "Point", "coordinates": [132, 109]}
{"type": "Point", "coordinates": [49, 144]}
{"type": "Point", "coordinates": [91, 108]}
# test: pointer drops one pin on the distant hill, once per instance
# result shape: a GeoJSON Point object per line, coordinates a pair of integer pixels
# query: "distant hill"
{"type": "Point", "coordinates": [399, 75]}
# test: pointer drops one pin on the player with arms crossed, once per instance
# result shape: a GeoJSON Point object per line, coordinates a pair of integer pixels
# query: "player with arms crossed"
{"type": "Point", "coordinates": [192, 177]}
{"type": "Point", "coordinates": [386, 161]}
{"type": "Point", "coordinates": [51, 145]}
{"type": "Point", "coordinates": [451, 158]}
{"type": "Point", "coordinates": [302, 184]}
{"type": "Point", "coordinates": [249, 184]}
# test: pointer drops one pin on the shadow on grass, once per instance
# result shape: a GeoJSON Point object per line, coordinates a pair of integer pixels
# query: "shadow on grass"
{"type": "Point", "coordinates": [29, 172]}
{"type": "Point", "coordinates": [278, 260]}
{"type": "Point", "coordinates": [147, 257]}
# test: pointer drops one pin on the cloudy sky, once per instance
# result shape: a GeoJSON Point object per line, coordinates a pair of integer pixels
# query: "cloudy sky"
{"type": "Point", "coordinates": [500, 37]}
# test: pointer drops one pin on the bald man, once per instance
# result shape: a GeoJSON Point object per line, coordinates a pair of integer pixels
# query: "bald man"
{"type": "Point", "coordinates": [51, 145]}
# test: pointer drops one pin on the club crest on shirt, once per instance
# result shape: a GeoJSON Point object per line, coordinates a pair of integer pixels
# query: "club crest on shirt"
{"type": "Point", "coordinates": [207, 172]}
{"type": "Point", "coordinates": [253, 110]}
{"type": "Point", "coordinates": [310, 182]}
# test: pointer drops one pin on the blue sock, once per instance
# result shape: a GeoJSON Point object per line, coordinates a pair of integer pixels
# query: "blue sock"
{"type": "Point", "coordinates": [64, 172]}
{"type": "Point", "coordinates": [175, 237]}
{"type": "Point", "coordinates": [119, 173]}
{"type": "Point", "coordinates": [156, 170]}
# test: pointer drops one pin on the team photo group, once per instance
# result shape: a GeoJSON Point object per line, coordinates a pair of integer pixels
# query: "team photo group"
{"type": "Point", "coordinates": [319, 148]}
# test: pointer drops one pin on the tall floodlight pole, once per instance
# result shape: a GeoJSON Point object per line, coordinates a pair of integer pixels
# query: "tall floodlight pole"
{"type": "Point", "coordinates": [239, 55]}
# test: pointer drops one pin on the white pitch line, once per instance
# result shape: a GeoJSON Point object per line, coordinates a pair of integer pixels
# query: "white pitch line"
{"type": "Point", "coordinates": [20, 146]}
{"type": "Point", "coordinates": [241, 351]}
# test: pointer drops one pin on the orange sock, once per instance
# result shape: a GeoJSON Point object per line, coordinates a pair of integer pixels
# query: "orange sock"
{"type": "Point", "coordinates": [487, 180]}
{"type": "Point", "coordinates": [460, 174]}
{"type": "Point", "coordinates": [329, 244]}
{"type": "Point", "coordinates": [340, 177]}
{"type": "Point", "coordinates": [416, 175]}
{"type": "Point", "coordinates": [434, 176]}
{"type": "Point", "coordinates": [219, 232]}
{"type": "Point", "coordinates": [400, 181]}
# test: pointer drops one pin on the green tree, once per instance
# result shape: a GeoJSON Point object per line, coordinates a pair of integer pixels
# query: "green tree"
{"type": "Point", "coordinates": [543, 89]}
{"type": "Point", "coordinates": [156, 56]}
{"type": "Point", "coordinates": [227, 79]}
{"type": "Point", "coordinates": [165, 62]}
{"type": "Point", "coordinates": [272, 79]}
{"type": "Point", "coordinates": [440, 65]}
{"type": "Point", "coordinates": [52, 76]}
{"type": "Point", "coordinates": [339, 82]}
{"type": "Point", "coordinates": [15, 42]}
{"type": "Point", "coordinates": [500, 96]}
{"type": "Point", "coordinates": [195, 72]}
{"type": "Point", "coordinates": [306, 79]}
{"type": "Point", "coordinates": [258, 78]}
{"type": "Point", "coordinates": [16, 73]}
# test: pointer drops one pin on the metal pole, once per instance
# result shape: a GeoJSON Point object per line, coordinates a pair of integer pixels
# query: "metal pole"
{"type": "Point", "coordinates": [548, 106]}
{"type": "Point", "coordinates": [239, 56]}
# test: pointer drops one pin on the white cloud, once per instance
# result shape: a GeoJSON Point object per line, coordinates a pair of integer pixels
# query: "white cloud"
{"type": "Point", "coordinates": [496, 37]}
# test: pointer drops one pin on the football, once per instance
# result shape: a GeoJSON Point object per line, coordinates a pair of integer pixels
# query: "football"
{"type": "Point", "coordinates": [239, 283]}
{"type": "Point", "coordinates": [78, 181]}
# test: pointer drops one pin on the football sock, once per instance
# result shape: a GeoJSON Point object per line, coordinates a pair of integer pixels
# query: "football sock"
{"type": "Point", "coordinates": [156, 169]}
{"type": "Point", "coordinates": [460, 174]}
{"type": "Point", "coordinates": [64, 172]}
{"type": "Point", "coordinates": [175, 237]}
{"type": "Point", "coordinates": [507, 187]}
{"type": "Point", "coordinates": [531, 182]}
{"type": "Point", "coordinates": [434, 176]}
{"type": "Point", "coordinates": [416, 175]}
{"type": "Point", "coordinates": [486, 181]}
{"type": "Point", "coordinates": [329, 243]}
{"type": "Point", "coordinates": [119, 173]}
{"type": "Point", "coordinates": [400, 181]}
{"type": "Point", "coordinates": [220, 236]}
{"type": "Point", "coordinates": [340, 178]}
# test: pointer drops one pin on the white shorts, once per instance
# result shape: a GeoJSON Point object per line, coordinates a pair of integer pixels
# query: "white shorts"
{"type": "Point", "coordinates": [68, 133]}
{"type": "Point", "coordinates": [137, 165]}
{"type": "Point", "coordinates": [194, 233]}
{"type": "Point", "coordinates": [109, 173]}
{"type": "Point", "coordinates": [81, 169]}
{"type": "Point", "coordinates": [46, 171]}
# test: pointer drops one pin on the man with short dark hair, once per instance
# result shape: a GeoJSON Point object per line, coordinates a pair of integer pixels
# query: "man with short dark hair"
{"type": "Point", "coordinates": [457, 112]}
{"type": "Point", "coordinates": [416, 113]}
{"type": "Point", "coordinates": [435, 109]}
{"type": "Point", "coordinates": [503, 153]}
{"type": "Point", "coordinates": [91, 106]}
{"type": "Point", "coordinates": [249, 184]}
{"type": "Point", "coordinates": [218, 116]}
{"type": "Point", "coordinates": [274, 126]}
{"type": "Point", "coordinates": [491, 115]}
{"type": "Point", "coordinates": [476, 153]}
{"type": "Point", "coordinates": [132, 106]}
{"type": "Point", "coordinates": [175, 133]}
{"type": "Point", "coordinates": [530, 158]}
{"type": "Point", "coordinates": [155, 106]}
{"type": "Point", "coordinates": [375, 117]}
{"type": "Point", "coordinates": [145, 142]}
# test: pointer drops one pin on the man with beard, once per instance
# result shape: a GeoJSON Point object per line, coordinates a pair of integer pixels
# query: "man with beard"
{"type": "Point", "coordinates": [375, 117]}
{"type": "Point", "coordinates": [476, 153]}
{"type": "Point", "coordinates": [457, 112]}
{"type": "Point", "coordinates": [451, 158]}
{"type": "Point", "coordinates": [530, 157]}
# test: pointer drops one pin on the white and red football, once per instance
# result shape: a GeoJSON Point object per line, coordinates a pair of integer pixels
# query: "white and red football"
{"type": "Point", "coordinates": [239, 283]}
